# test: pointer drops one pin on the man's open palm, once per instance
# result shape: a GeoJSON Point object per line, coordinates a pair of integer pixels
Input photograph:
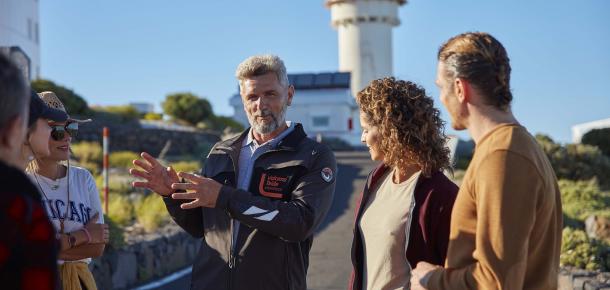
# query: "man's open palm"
{"type": "Point", "coordinates": [158, 178]}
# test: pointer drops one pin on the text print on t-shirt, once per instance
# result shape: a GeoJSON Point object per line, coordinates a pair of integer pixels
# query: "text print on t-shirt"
{"type": "Point", "coordinates": [77, 213]}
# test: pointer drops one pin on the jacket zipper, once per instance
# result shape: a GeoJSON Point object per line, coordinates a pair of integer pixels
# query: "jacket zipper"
{"type": "Point", "coordinates": [231, 260]}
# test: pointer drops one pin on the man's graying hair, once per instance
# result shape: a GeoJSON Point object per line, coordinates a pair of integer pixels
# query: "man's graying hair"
{"type": "Point", "coordinates": [259, 65]}
{"type": "Point", "coordinates": [14, 96]}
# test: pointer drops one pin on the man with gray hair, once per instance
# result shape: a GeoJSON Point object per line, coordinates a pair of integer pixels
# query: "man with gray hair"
{"type": "Point", "coordinates": [259, 197]}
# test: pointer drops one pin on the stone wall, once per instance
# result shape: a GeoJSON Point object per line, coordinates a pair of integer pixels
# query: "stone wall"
{"type": "Point", "coordinates": [152, 257]}
{"type": "Point", "coordinates": [127, 134]}
{"type": "Point", "coordinates": [573, 279]}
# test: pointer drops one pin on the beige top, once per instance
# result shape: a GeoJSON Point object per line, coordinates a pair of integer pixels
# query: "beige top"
{"type": "Point", "coordinates": [384, 228]}
{"type": "Point", "coordinates": [506, 222]}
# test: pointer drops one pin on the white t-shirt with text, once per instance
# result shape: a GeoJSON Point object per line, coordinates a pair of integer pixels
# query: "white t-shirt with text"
{"type": "Point", "coordinates": [84, 200]}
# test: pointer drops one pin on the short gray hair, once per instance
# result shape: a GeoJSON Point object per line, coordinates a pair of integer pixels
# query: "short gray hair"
{"type": "Point", "coordinates": [262, 64]}
{"type": "Point", "coordinates": [14, 91]}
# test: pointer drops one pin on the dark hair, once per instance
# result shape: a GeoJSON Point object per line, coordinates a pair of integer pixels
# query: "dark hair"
{"type": "Point", "coordinates": [482, 60]}
{"type": "Point", "coordinates": [411, 129]}
{"type": "Point", "coordinates": [14, 92]}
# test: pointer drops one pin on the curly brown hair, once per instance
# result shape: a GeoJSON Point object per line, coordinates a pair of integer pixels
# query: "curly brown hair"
{"type": "Point", "coordinates": [411, 129]}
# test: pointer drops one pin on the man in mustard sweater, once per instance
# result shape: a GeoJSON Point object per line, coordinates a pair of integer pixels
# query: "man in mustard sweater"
{"type": "Point", "coordinates": [507, 220]}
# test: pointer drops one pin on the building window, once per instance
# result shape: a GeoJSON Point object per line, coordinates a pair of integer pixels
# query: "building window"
{"type": "Point", "coordinates": [320, 121]}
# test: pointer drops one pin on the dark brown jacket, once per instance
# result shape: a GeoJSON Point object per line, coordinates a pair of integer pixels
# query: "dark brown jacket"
{"type": "Point", "coordinates": [291, 190]}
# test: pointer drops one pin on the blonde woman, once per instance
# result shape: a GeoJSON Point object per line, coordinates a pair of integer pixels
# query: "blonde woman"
{"type": "Point", "coordinates": [72, 202]}
{"type": "Point", "coordinates": [38, 133]}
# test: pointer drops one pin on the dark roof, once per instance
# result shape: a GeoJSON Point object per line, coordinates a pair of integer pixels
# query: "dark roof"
{"type": "Point", "coordinates": [308, 81]}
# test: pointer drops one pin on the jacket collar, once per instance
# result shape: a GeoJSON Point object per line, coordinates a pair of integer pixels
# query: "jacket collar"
{"type": "Point", "coordinates": [290, 142]}
{"type": "Point", "coordinates": [376, 174]}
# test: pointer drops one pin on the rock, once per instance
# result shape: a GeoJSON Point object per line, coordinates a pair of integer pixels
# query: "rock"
{"type": "Point", "coordinates": [598, 227]}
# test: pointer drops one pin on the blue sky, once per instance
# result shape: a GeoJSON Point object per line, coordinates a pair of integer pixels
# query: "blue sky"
{"type": "Point", "coordinates": [114, 52]}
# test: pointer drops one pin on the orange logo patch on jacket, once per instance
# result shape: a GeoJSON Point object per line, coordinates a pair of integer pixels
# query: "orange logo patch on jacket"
{"type": "Point", "coordinates": [272, 185]}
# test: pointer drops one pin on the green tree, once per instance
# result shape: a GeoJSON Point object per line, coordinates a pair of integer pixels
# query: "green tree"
{"type": "Point", "coordinates": [74, 103]}
{"type": "Point", "coordinates": [219, 123]}
{"type": "Point", "coordinates": [187, 107]}
{"type": "Point", "coordinates": [599, 138]}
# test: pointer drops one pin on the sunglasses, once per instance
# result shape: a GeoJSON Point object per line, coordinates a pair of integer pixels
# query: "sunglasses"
{"type": "Point", "coordinates": [58, 132]}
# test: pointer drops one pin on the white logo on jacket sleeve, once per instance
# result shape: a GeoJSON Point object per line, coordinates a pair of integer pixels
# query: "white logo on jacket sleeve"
{"type": "Point", "coordinates": [327, 174]}
{"type": "Point", "coordinates": [261, 214]}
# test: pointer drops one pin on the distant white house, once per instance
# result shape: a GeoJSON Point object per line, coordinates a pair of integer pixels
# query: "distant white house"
{"type": "Point", "coordinates": [578, 131]}
{"type": "Point", "coordinates": [143, 108]}
{"type": "Point", "coordinates": [154, 124]}
{"type": "Point", "coordinates": [323, 103]}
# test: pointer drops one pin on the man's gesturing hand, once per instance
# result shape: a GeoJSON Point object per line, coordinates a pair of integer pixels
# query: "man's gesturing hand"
{"type": "Point", "coordinates": [201, 190]}
{"type": "Point", "coordinates": [158, 178]}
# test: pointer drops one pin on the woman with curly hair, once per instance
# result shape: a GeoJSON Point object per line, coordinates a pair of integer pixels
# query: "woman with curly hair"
{"type": "Point", "coordinates": [404, 213]}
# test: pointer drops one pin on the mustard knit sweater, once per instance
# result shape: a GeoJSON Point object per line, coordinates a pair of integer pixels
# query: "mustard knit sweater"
{"type": "Point", "coordinates": [507, 220]}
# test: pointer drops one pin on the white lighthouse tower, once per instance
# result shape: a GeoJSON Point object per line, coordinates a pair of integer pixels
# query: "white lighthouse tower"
{"type": "Point", "coordinates": [365, 37]}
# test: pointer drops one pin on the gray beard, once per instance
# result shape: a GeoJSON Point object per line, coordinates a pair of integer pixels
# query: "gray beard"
{"type": "Point", "coordinates": [277, 121]}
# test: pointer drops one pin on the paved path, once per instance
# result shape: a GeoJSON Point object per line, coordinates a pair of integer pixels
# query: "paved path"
{"type": "Point", "coordinates": [329, 264]}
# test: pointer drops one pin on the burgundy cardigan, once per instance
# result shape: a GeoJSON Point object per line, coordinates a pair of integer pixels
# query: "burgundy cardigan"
{"type": "Point", "coordinates": [429, 236]}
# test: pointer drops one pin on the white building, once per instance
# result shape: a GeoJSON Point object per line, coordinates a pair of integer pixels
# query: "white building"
{"type": "Point", "coordinates": [322, 102]}
{"type": "Point", "coordinates": [578, 131]}
{"type": "Point", "coordinates": [19, 28]}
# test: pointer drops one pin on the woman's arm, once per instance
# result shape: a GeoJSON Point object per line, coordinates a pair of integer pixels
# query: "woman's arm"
{"type": "Point", "coordinates": [88, 242]}
{"type": "Point", "coordinates": [82, 252]}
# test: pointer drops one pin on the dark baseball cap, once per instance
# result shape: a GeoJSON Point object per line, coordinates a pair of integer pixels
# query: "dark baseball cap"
{"type": "Point", "coordinates": [39, 109]}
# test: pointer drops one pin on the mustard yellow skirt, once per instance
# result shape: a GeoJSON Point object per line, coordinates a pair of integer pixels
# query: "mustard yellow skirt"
{"type": "Point", "coordinates": [75, 274]}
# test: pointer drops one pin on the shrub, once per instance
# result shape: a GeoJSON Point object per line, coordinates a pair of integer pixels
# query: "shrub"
{"type": "Point", "coordinates": [577, 161]}
{"type": "Point", "coordinates": [88, 152]}
{"type": "Point", "coordinates": [127, 112]}
{"type": "Point", "coordinates": [122, 159]}
{"type": "Point", "coordinates": [153, 116]}
{"type": "Point", "coordinates": [121, 209]}
{"type": "Point", "coordinates": [117, 184]}
{"type": "Point", "coordinates": [90, 166]}
{"type": "Point", "coordinates": [599, 138]}
{"type": "Point", "coordinates": [151, 213]}
{"type": "Point", "coordinates": [117, 235]}
{"type": "Point", "coordinates": [579, 251]}
{"type": "Point", "coordinates": [581, 199]}
{"type": "Point", "coordinates": [187, 166]}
